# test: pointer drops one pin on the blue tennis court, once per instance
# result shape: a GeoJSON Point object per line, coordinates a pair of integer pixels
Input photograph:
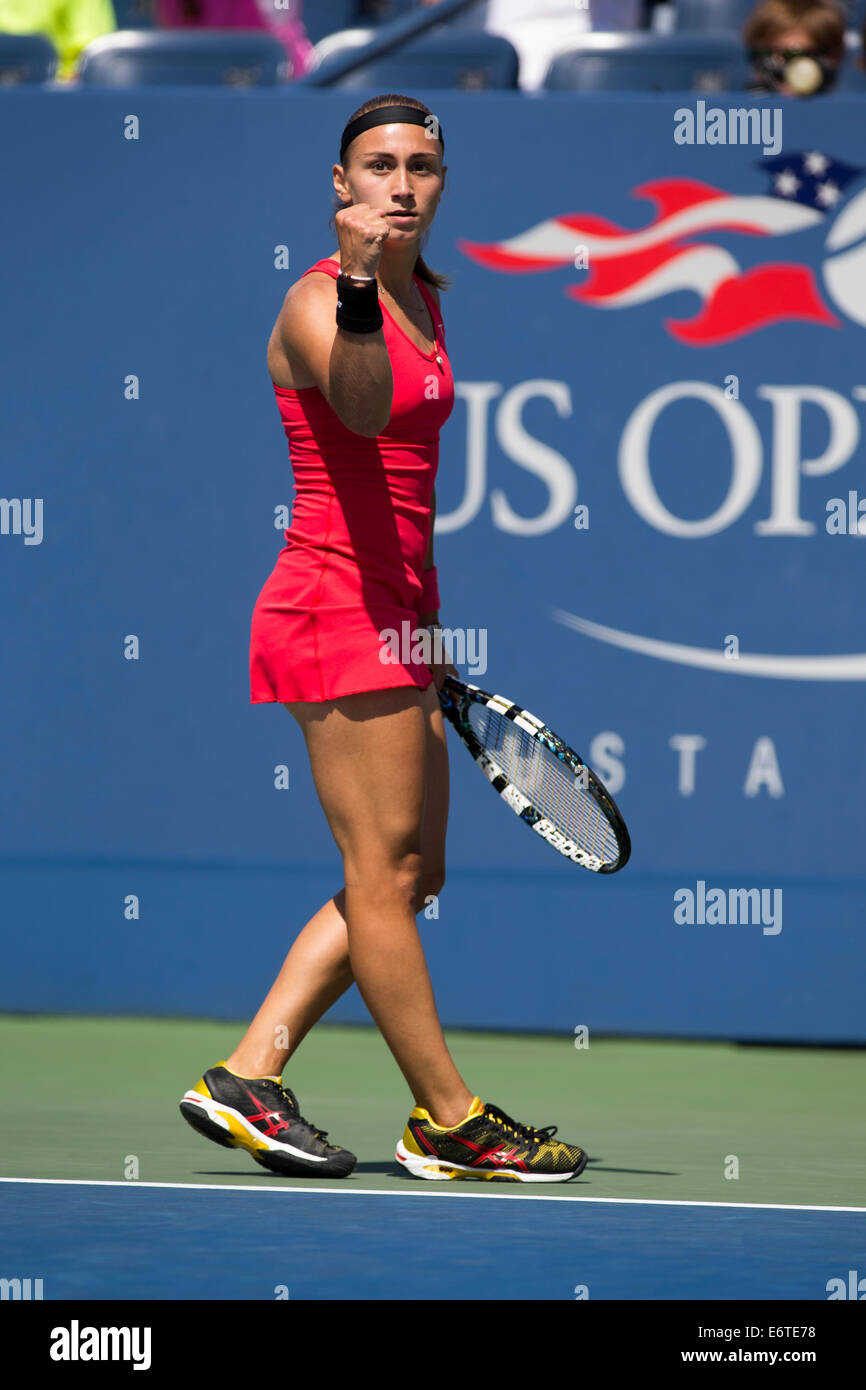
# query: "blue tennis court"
{"type": "Point", "coordinates": [155, 1241]}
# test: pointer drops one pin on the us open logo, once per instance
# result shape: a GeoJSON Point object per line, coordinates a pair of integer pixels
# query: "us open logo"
{"type": "Point", "coordinates": [812, 201]}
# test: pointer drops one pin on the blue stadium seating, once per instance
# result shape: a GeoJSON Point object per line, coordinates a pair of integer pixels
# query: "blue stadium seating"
{"type": "Point", "coordinates": [134, 14]}
{"type": "Point", "coordinates": [852, 78]}
{"type": "Point", "coordinates": [216, 57]}
{"type": "Point", "coordinates": [323, 17]}
{"type": "Point", "coordinates": [378, 12]}
{"type": "Point", "coordinates": [468, 62]}
{"type": "Point", "coordinates": [732, 14]}
{"type": "Point", "coordinates": [320, 17]}
{"type": "Point", "coordinates": [694, 15]}
{"type": "Point", "coordinates": [855, 12]}
{"type": "Point", "coordinates": [650, 63]}
{"type": "Point", "coordinates": [26, 58]}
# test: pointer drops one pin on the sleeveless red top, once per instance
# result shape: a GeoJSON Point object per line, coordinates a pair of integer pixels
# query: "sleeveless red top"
{"type": "Point", "coordinates": [354, 553]}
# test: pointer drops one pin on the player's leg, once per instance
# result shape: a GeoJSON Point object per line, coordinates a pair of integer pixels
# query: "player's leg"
{"type": "Point", "coordinates": [368, 755]}
{"type": "Point", "coordinates": [317, 969]}
{"type": "Point", "coordinates": [314, 974]}
{"type": "Point", "coordinates": [366, 781]}
{"type": "Point", "coordinates": [437, 789]}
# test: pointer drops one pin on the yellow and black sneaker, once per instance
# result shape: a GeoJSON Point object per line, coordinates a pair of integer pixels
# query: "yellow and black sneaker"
{"type": "Point", "coordinates": [488, 1144]}
{"type": "Point", "coordinates": [258, 1114]}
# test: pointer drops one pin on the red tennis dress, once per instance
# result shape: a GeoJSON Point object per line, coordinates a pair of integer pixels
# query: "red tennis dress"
{"type": "Point", "coordinates": [354, 554]}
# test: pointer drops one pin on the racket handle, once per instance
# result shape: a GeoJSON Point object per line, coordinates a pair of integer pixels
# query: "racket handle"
{"type": "Point", "coordinates": [450, 688]}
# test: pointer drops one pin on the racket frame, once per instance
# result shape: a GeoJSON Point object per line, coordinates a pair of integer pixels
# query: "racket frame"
{"type": "Point", "coordinates": [455, 698]}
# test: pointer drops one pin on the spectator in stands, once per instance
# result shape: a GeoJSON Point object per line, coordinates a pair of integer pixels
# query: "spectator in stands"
{"type": "Point", "coordinates": [541, 29]}
{"type": "Point", "coordinates": [283, 21]}
{"type": "Point", "coordinates": [69, 24]}
{"type": "Point", "coordinates": [795, 46]}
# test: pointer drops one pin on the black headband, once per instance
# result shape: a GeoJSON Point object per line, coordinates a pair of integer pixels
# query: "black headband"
{"type": "Point", "coordinates": [388, 115]}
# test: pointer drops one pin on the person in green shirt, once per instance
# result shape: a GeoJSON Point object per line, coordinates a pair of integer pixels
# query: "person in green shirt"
{"type": "Point", "coordinates": [69, 24]}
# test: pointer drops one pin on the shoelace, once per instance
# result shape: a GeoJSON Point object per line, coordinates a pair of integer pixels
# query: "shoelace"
{"type": "Point", "coordinates": [528, 1133]}
{"type": "Point", "coordinates": [292, 1105]}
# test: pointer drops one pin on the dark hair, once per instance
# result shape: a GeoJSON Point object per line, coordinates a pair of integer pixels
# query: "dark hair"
{"type": "Point", "coordinates": [822, 19]}
{"type": "Point", "coordinates": [422, 269]}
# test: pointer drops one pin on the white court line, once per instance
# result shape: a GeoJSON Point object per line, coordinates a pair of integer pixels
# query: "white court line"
{"type": "Point", "coordinates": [425, 1192]}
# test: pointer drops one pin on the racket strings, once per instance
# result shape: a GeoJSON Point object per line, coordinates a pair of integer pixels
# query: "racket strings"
{"type": "Point", "coordinates": [549, 783]}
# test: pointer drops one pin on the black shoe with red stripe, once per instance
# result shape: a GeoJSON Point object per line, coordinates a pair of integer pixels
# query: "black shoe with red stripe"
{"type": "Point", "coordinates": [261, 1116]}
{"type": "Point", "coordinates": [488, 1145]}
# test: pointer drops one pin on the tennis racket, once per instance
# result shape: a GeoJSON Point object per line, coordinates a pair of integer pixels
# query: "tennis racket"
{"type": "Point", "coordinates": [543, 780]}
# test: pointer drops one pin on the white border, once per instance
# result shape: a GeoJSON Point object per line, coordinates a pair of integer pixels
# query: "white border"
{"type": "Point", "coordinates": [334, 1190]}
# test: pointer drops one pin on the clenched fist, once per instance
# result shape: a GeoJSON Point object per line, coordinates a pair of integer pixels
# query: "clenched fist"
{"type": "Point", "coordinates": [361, 232]}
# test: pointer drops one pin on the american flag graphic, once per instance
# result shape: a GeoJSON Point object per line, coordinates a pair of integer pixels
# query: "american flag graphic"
{"type": "Point", "coordinates": [673, 252]}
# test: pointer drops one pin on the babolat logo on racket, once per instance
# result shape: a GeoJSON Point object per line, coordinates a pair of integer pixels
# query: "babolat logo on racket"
{"type": "Point", "coordinates": [539, 776]}
{"type": "Point", "coordinates": [565, 846]}
{"type": "Point", "coordinates": [516, 800]}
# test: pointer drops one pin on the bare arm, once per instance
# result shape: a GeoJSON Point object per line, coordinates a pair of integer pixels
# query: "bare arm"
{"type": "Point", "coordinates": [352, 370]}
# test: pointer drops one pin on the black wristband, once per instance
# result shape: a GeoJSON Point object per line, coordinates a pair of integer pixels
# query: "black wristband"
{"type": "Point", "coordinates": [358, 308]}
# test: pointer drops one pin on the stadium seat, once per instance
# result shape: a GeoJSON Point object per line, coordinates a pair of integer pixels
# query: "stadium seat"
{"type": "Point", "coordinates": [712, 14]}
{"type": "Point", "coordinates": [852, 78]}
{"type": "Point", "coordinates": [650, 63]}
{"type": "Point", "coordinates": [732, 14]}
{"type": "Point", "coordinates": [855, 12]}
{"type": "Point", "coordinates": [135, 14]}
{"type": "Point", "coordinates": [183, 57]}
{"type": "Point", "coordinates": [341, 42]}
{"type": "Point", "coordinates": [378, 12]}
{"type": "Point", "coordinates": [323, 17]}
{"type": "Point", "coordinates": [467, 62]}
{"type": "Point", "coordinates": [26, 58]}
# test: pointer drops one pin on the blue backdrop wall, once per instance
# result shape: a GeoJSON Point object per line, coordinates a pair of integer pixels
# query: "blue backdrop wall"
{"type": "Point", "coordinates": [666, 332]}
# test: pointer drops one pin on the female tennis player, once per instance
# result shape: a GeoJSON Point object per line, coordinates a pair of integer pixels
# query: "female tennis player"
{"type": "Point", "coordinates": [363, 385]}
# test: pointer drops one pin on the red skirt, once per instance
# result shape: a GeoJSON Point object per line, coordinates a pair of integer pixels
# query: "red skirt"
{"type": "Point", "coordinates": [322, 652]}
